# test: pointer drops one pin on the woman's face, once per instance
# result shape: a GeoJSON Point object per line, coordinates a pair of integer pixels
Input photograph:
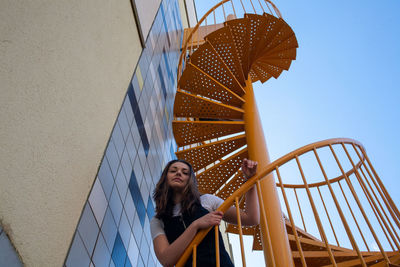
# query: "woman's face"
{"type": "Point", "coordinates": [178, 176]}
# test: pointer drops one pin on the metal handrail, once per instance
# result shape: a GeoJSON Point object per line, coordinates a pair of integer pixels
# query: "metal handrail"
{"type": "Point", "coordinates": [274, 166]}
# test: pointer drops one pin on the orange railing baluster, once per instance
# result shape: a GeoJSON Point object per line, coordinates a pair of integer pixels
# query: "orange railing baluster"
{"type": "Point", "coordinates": [251, 2]}
{"type": "Point", "coordinates": [223, 10]}
{"type": "Point", "coordinates": [296, 236]}
{"type": "Point", "coordinates": [359, 206]}
{"type": "Point", "coordinates": [380, 205]}
{"type": "Point", "coordinates": [240, 231]}
{"type": "Point", "coordinates": [194, 261]}
{"type": "Point", "coordinates": [301, 213]}
{"type": "Point", "coordinates": [329, 218]}
{"type": "Point", "coordinates": [342, 217]}
{"type": "Point", "coordinates": [264, 218]}
{"type": "Point", "coordinates": [233, 7]}
{"type": "Point", "coordinates": [372, 203]}
{"type": "Point", "coordinates": [384, 195]}
{"type": "Point", "coordinates": [319, 224]}
{"type": "Point", "coordinates": [352, 214]}
{"type": "Point", "coordinates": [261, 6]}
{"type": "Point", "coordinates": [217, 256]}
{"type": "Point", "coordinates": [243, 6]}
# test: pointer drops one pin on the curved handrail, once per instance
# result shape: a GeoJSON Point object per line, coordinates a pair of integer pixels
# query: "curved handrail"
{"type": "Point", "coordinates": [261, 174]}
{"type": "Point", "coordinates": [195, 29]}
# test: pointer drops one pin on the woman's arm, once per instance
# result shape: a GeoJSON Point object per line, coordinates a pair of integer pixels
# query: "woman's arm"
{"type": "Point", "coordinates": [250, 215]}
{"type": "Point", "coordinates": [168, 254]}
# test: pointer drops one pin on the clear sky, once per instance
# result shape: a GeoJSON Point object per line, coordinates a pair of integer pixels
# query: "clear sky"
{"type": "Point", "coordinates": [345, 81]}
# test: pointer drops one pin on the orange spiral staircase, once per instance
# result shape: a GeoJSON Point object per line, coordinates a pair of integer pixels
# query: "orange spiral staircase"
{"type": "Point", "coordinates": [216, 126]}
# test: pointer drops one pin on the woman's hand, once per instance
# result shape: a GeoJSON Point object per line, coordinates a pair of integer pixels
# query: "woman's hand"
{"type": "Point", "coordinates": [249, 168]}
{"type": "Point", "coordinates": [210, 219]}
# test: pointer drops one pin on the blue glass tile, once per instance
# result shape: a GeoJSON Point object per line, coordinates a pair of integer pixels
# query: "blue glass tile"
{"type": "Point", "coordinates": [118, 140]}
{"type": "Point", "coordinates": [101, 256]}
{"type": "Point", "coordinates": [161, 79]}
{"type": "Point", "coordinates": [135, 133]}
{"type": "Point", "coordinates": [121, 183]}
{"type": "Point", "coordinates": [106, 178]}
{"type": "Point", "coordinates": [109, 229]}
{"type": "Point", "coordinates": [130, 208]}
{"type": "Point", "coordinates": [131, 149]}
{"type": "Point", "coordinates": [133, 251]}
{"type": "Point", "coordinates": [165, 23]}
{"type": "Point", "coordinates": [115, 205]}
{"type": "Point", "coordinates": [78, 255]}
{"type": "Point", "coordinates": [123, 124]}
{"type": "Point", "coordinates": [140, 262]}
{"type": "Point", "coordinates": [137, 168]}
{"type": "Point", "coordinates": [150, 208]}
{"type": "Point", "coordinates": [144, 190]}
{"type": "Point", "coordinates": [124, 229]}
{"type": "Point", "coordinates": [126, 163]}
{"type": "Point", "coordinates": [137, 229]}
{"type": "Point", "coordinates": [119, 253]}
{"type": "Point", "coordinates": [144, 249]}
{"type": "Point", "coordinates": [137, 198]}
{"type": "Point", "coordinates": [141, 155]}
{"type": "Point", "coordinates": [172, 151]}
{"type": "Point", "coordinates": [138, 118]}
{"type": "Point", "coordinates": [112, 157]}
{"type": "Point", "coordinates": [98, 202]}
{"type": "Point", "coordinates": [88, 228]}
{"type": "Point", "coordinates": [128, 110]}
{"type": "Point", "coordinates": [146, 231]}
{"type": "Point", "coordinates": [167, 65]}
{"type": "Point", "coordinates": [128, 262]}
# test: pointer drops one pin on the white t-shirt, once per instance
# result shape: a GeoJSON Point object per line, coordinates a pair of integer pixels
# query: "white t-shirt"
{"type": "Point", "coordinates": [209, 202]}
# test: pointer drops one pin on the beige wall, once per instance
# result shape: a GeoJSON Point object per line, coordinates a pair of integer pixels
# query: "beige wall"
{"type": "Point", "coordinates": [64, 69]}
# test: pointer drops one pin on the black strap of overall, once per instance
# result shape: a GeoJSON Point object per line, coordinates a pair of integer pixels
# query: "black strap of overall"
{"type": "Point", "coordinates": [175, 226]}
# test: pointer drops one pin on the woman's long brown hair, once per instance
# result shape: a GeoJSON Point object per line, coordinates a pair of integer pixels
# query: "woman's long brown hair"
{"type": "Point", "coordinates": [163, 195]}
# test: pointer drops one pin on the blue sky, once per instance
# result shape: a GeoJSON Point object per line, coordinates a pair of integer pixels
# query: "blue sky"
{"type": "Point", "coordinates": [345, 81]}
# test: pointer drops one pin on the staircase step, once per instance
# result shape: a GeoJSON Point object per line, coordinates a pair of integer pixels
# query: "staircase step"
{"type": "Point", "coordinates": [198, 82]}
{"type": "Point", "coordinates": [282, 33]}
{"type": "Point", "coordinates": [312, 245]}
{"type": "Point", "coordinates": [254, 76]}
{"type": "Point", "coordinates": [204, 155]}
{"type": "Point", "coordinates": [257, 29]}
{"type": "Point", "coordinates": [368, 260]}
{"type": "Point", "coordinates": [189, 105]}
{"type": "Point", "coordinates": [246, 230]}
{"type": "Point", "coordinates": [213, 178]}
{"type": "Point", "coordinates": [238, 28]}
{"type": "Point", "coordinates": [270, 69]}
{"type": "Point", "coordinates": [190, 132]}
{"type": "Point", "coordinates": [223, 43]}
{"type": "Point", "coordinates": [280, 63]}
{"type": "Point", "coordinates": [257, 243]}
{"type": "Point", "coordinates": [208, 60]}
{"type": "Point", "coordinates": [286, 44]}
{"type": "Point", "coordinates": [286, 54]}
{"type": "Point", "coordinates": [262, 72]}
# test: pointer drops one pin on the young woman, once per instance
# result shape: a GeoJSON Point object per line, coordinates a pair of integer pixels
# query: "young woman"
{"type": "Point", "coordinates": [181, 212]}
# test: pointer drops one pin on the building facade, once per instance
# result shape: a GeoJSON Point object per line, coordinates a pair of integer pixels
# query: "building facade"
{"type": "Point", "coordinates": [79, 167]}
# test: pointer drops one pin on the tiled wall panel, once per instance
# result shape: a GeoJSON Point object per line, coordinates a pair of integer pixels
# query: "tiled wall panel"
{"type": "Point", "coordinates": [114, 228]}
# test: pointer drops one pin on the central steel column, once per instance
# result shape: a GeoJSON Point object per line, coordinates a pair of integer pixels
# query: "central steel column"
{"type": "Point", "coordinates": [258, 151]}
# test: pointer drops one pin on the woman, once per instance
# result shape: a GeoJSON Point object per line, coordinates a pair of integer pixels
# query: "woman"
{"type": "Point", "coordinates": [181, 212]}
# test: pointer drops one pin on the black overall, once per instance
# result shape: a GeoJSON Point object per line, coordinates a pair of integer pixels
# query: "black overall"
{"type": "Point", "coordinates": [175, 226]}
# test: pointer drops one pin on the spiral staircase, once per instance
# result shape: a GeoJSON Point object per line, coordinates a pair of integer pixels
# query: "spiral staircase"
{"type": "Point", "coordinates": [216, 126]}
